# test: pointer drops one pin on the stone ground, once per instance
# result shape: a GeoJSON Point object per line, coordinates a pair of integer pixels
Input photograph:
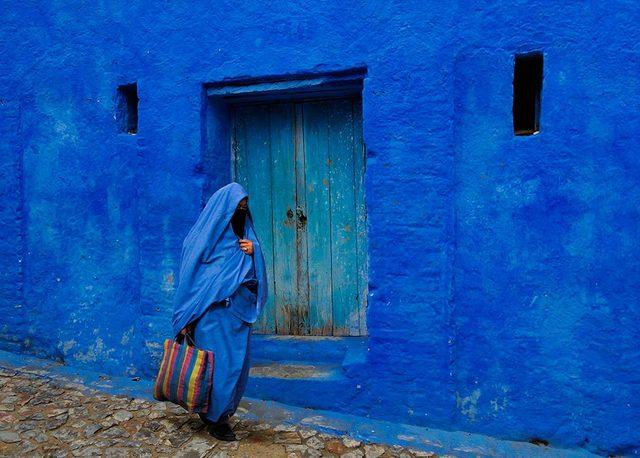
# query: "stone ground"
{"type": "Point", "coordinates": [50, 418]}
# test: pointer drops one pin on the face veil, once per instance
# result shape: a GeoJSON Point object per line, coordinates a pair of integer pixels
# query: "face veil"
{"type": "Point", "coordinates": [238, 221]}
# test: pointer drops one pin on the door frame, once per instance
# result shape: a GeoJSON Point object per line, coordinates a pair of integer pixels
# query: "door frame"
{"type": "Point", "coordinates": [220, 100]}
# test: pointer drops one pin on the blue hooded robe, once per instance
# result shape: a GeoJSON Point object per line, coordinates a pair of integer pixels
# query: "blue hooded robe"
{"type": "Point", "coordinates": [217, 291]}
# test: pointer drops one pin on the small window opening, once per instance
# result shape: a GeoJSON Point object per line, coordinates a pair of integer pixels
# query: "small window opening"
{"type": "Point", "coordinates": [527, 86]}
{"type": "Point", "coordinates": [127, 108]}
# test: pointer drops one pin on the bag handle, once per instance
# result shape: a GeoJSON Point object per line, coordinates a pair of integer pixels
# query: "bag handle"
{"type": "Point", "coordinates": [180, 338]}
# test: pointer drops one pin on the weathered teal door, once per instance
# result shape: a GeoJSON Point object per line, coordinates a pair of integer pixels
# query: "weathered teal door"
{"type": "Point", "coordinates": [303, 166]}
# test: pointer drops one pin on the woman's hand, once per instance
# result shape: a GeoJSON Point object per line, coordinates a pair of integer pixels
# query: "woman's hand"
{"type": "Point", "coordinates": [188, 329]}
{"type": "Point", "coordinates": [246, 246]}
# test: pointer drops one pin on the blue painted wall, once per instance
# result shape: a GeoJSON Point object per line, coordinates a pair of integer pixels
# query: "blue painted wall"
{"type": "Point", "coordinates": [504, 275]}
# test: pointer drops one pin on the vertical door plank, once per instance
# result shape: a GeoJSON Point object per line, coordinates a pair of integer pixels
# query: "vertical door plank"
{"type": "Point", "coordinates": [344, 265]}
{"type": "Point", "coordinates": [254, 170]}
{"type": "Point", "coordinates": [359, 164]}
{"type": "Point", "coordinates": [288, 309]}
{"type": "Point", "coordinates": [318, 213]}
{"type": "Point", "coordinates": [240, 129]}
{"type": "Point", "coordinates": [301, 249]}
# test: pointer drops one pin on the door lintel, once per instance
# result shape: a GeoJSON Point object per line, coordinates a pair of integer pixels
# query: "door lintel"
{"type": "Point", "coordinates": [336, 84]}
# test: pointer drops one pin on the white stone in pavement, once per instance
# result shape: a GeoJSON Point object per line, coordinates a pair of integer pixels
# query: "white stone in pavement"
{"type": "Point", "coordinates": [307, 433]}
{"type": "Point", "coordinates": [196, 448]}
{"type": "Point", "coordinates": [350, 443]}
{"type": "Point", "coordinates": [352, 454]}
{"type": "Point", "coordinates": [315, 443]}
{"type": "Point", "coordinates": [373, 451]}
{"type": "Point", "coordinates": [9, 437]}
{"type": "Point", "coordinates": [122, 415]}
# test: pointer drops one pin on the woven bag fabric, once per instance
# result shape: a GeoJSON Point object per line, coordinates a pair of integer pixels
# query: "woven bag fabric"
{"type": "Point", "coordinates": [185, 376]}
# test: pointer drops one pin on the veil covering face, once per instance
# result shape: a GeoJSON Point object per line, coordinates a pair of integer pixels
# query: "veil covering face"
{"type": "Point", "coordinates": [212, 266]}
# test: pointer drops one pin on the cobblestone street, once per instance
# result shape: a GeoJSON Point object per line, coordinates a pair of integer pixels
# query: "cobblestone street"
{"type": "Point", "coordinates": [44, 417]}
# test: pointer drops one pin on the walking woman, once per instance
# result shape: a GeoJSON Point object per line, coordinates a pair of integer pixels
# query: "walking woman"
{"type": "Point", "coordinates": [222, 288]}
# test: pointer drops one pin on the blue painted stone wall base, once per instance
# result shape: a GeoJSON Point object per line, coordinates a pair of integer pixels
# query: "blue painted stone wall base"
{"type": "Point", "coordinates": [429, 440]}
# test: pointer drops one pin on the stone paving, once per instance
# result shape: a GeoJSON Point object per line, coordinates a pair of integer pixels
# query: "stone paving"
{"type": "Point", "coordinates": [50, 418]}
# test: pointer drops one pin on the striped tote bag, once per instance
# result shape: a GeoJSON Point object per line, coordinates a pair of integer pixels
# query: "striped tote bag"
{"type": "Point", "coordinates": [185, 376]}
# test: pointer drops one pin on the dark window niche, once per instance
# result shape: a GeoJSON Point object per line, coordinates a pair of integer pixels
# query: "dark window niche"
{"type": "Point", "coordinates": [127, 108]}
{"type": "Point", "coordinates": [527, 87]}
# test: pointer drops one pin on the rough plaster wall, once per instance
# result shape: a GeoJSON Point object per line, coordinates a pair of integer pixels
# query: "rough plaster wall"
{"type": "Point", "coordinates": [546, 277]}
{"type": "Point", "coordinates": [14, 333]}
{"type": "Point", "coordinates": [508, 303]}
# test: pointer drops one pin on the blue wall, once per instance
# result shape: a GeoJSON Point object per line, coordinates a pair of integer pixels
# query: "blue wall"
{"type": "Point", "coordinates": [504, 274]}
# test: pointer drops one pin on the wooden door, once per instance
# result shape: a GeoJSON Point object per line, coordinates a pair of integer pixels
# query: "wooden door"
{"type": "Point", "coordinates": [303, 166]}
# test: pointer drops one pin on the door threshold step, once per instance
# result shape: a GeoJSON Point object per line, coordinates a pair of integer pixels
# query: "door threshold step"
{"type": "Point", "coordinates": [308, 350]}
{"type": "Point", "coordinates": [294, 371]}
